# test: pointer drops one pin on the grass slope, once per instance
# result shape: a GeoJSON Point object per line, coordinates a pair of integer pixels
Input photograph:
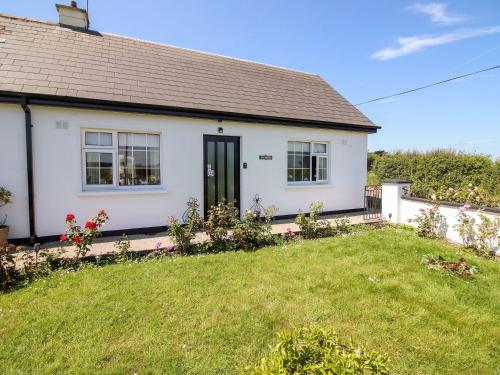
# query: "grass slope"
{"type": "Point", "coordinates": [210, 314]}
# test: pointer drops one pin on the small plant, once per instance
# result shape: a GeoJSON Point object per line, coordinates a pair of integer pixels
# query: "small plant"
{"type": "Point", "coordinates": [9, 274]}
{"type": "Point", "coordinates": [430, 222]}
{"type": "Point", "coordinates": [161, 250]}
{"type": "Point", "coordinates": [488, 235]}
{"type": "Point", "coordinates": [289, 235]}
{"type": "Point", "coordinates": [460, 268]}
{"type": "Point", "coordinates": [182, 235]}
{"type": "Point", "coordinates": [310, 226]}
{"type": "Point", "coordinates": [221, 218]}
{"type": "Point", "coordinates": [342, 225]}
{"type": "Point", "coordinates": [123, 247]}
{"type": "Point", "coordinates": [5, 198]}
{"type": "Point", "coordinates": [254, 231]}
{"type": "Point", "coordinates": [465, 227]}
{"type": "Point", "coordinates": [82, 238]}
{"type": "Point", "coordinates": [314, 350]}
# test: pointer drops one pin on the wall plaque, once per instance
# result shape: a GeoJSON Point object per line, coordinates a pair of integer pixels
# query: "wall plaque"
{"type": "Point", "coordinates": [265, 157]}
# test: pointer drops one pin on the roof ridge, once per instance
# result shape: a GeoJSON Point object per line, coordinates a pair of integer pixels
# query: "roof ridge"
{"type": "Point", "coordinates": [12, 16]}
{"type": "Point", "coordinates": [163, 44]}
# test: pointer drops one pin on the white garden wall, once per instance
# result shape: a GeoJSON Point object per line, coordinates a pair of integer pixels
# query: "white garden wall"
{"type": "Point", "coordinates": [58, 168]}
{"type": "Point", "coordinates": [400, 209]}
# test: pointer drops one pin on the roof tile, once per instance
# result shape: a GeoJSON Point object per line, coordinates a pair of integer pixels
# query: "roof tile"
{"type": "Point", "coordinates": [44, 58]}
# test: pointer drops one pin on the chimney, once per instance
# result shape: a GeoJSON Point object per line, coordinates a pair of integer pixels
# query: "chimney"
{"type": "Point", "coordinates": [72, 16]}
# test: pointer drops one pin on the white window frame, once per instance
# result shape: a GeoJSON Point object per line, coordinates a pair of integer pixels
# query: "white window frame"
{"type": "Point", "coordinates": [324, 155]}
{"type": "Point", "coordinates": [116, 167]}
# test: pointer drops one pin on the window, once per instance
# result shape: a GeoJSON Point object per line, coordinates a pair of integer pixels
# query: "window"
{"type": "Point", "coordinates": [120, 159]}
{"type": "Point", "coordinates": [307, 162]}
{"type": "Point", "coordinates": [139, 157]}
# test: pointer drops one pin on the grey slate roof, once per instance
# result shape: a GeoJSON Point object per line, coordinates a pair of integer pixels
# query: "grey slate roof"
{"type": "Point", "coordinates": [39, 57]}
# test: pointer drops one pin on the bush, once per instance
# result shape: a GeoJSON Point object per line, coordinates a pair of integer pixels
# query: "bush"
{"type": "Point", "coordinates": [182, 235]}
{"type": "Point", "coordinates": [5, 197]}
{"type": "Point", "coordinates": [318, 351]}
{"type": "Point", "coordinates": [82, 238]}
{"type": "Point", "coordinates": [430, 222]}
{"type": "Point", "coordinates": [488, 235]}
{"type": "Point", "coordinates": [18, 265]}
{"type": "Point", "coordinates": [310, 226]}
{"type": "Point", "coordinates": [254, 231]}
{"type": "Point", "coordinates": [221, 218]}
{"type": "Point", "coordinates": [435, 171]}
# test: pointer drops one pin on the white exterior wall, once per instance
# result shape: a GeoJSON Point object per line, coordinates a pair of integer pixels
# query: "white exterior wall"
{"type": "Point", "coordinates": [13, 173]}
{"type": "Point", "coordinates": [408, 209]}
{"type": "Point", "coordinates": [58, 168]}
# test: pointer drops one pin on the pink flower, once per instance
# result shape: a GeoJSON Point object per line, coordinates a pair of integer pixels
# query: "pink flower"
{"type": "Point", "coordinates": [158, 245]}
{"type": "Point", "coordinates": [63, 237]}
{"type": "Point", "coordinates": [421, 210]}
{"type": "Point", "coordinates": [70, 217]}
{"type": "Point", "coordinates": [77, 239]}
{"type": "Point", "coordinates": [170, 248]}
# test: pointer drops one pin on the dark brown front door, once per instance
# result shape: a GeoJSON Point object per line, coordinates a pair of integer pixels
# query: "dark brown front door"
{"type": "Point", "coordinates": [221, 170]}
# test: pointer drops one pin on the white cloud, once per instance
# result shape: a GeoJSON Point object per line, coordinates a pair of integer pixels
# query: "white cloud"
{"type": "Point", "coordinates": [412, 44]}
{"type": "Point", "coordinates": [437, 12]}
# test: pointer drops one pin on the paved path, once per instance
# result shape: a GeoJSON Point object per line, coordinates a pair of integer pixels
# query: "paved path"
{"type": "Point", "coordinates": [105, 245]}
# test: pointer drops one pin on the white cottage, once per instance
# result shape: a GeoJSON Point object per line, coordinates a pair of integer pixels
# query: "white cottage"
{"type": "Point", "coordinates": [92, 121]}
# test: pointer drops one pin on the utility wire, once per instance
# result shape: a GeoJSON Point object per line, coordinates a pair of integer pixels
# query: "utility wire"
{"type": "Point", "coordinates": [430, 85]}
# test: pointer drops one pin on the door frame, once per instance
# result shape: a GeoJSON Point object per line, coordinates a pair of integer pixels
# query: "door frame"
{"type": "Point", "coordinates": [237, 169]}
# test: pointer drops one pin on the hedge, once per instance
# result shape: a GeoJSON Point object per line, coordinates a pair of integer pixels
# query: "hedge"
{"type": "Point", "coordinates": [434, 172]}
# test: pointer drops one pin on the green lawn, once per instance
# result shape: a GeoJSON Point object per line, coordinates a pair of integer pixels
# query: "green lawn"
{"type": "Point", "coordinates": [210, 314]}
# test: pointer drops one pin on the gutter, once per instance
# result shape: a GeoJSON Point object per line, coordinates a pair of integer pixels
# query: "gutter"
{"type": "Point", "coordinates": [109, 105]}
{"type": "Point", "coordinates": [29, 167]}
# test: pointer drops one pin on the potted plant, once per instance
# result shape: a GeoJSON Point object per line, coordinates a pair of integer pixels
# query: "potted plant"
{"type": "Point", "coordinates": [5, 197]}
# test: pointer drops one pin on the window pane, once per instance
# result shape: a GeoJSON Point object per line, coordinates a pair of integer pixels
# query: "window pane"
{"type": "Point", "coordinates": [298, 161]}
{"type": "Point", "coordinates": [221, 171]}
{"type": "Point", "coordinates": [106, 139]}
{"type": "Point", "coordinates": [320, 148]}
{"type": "Point", "coordinates": [99, 168]}
{"type": "Point", "coordinates": [92, 159]}
{"type": "Point", "coordinates": [139, 157]}
{"type": "Point", "coordinates": [230, 172]}
{"type": "Point", "coordinates": [106, 160]}
{"type": "Point", "coordinates": [91, 138]}
{"type": "Point", "coordinates": [140, 141]}
{"type": "Point", "coordinates": [209, 172]}
{"type": "Point", "coordinates": [154, 140]}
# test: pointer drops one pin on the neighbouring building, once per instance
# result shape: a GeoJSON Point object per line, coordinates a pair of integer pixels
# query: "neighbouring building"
{"type": "Point", "coordinates": [91, 121]}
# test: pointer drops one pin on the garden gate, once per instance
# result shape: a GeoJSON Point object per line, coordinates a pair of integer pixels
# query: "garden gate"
{"type": "Point", "coordinates": [373, 202]}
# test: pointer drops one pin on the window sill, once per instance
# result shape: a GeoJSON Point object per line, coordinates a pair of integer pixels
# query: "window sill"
{"type": "Point", "coordinates": [97, 193]}
{"type": "Point", "coordinates": [308, 186]}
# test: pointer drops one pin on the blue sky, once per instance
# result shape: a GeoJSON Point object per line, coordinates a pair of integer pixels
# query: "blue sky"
{"type": "Point", "coordinates": [365, 49]}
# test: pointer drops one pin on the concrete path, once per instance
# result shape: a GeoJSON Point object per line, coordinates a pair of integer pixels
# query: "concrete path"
{"type": "Point", "coordinates": [140, 243]}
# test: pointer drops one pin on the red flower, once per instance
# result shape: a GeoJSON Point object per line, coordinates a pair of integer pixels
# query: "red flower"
{"type": "Point", "coordinates": [76, 239]}
{"type": "Point", "coordinates": [70, 217]}
{"type": "Point", "coordinates": [91, 225]}
{"type": "Point", "coordinates": [64, 237]}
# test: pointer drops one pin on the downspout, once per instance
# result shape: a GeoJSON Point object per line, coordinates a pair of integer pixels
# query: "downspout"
{"type": "Point", "coordinates": [29, 167]}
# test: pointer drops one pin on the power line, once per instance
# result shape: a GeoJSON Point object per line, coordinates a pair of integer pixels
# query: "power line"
{"type": "Point", "coordinates": [427, 86]}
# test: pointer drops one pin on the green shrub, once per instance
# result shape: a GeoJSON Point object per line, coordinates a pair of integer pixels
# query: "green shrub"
{"type": "Point", "coordinates": [436, 171]}
{"type": "Point", "coordinates": [318, 351]}
{"type": "Point", "coordinates": [254, 231]}
{"type": "Point", "coordinates": [310, 226]}
{"type": "Point", "coordinates": [430, 222]}
{"type": "Point", "coordinates": [221, 218]}
{"type": "Point", "coordinates": [183, 234]}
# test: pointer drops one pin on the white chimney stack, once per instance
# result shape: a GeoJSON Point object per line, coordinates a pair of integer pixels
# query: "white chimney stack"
{"type": "Point", "coordinates": [72, 16]}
